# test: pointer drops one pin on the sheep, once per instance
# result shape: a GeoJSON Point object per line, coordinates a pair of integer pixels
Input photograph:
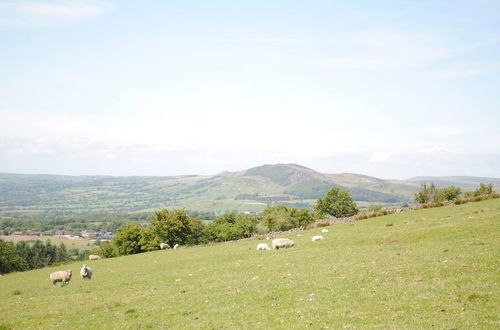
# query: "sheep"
{"type": "Point", "coordinates": [282, 243]}
{"type": "Point", "coordinates": [86, 272]}
{"type": "Point", "coordinates": [94, 257]}
{"type": "Point", "coordinates": [324, 230]}
{"type": "Point", "coordinates": [262, 246]}
{"type": "Point", "coordinates": [63, 276]}
{"type": "Point", "coordinates": [176, 246]}
{"type": "Point", "coordinates": [317, 238]}
{"type": "Point", "coordinates": [164, 246]}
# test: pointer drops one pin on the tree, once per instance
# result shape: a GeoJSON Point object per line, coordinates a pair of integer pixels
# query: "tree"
{"type": "Point", "coordinates": [10, 261]}
{"type": "Point", "coordinates": [128, 238]}
{"type": "Point", "coordinates": [426, 193]}
{"type": "Point", "coordinates": [447, 194]}
{"type": "Point", "coordinates": [172, 227]}
{"type": "Point", "coordinates": [337, 203]}
{"type": "Point", "coordinates": [62, 253]}
{"type": "Point", "coordinates": [278, 217]}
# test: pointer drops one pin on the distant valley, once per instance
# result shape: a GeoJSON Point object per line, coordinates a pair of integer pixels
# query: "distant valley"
{"type": "Point", "coordinates": [50, 196]}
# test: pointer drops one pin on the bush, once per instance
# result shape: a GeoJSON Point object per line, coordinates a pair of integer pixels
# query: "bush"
{"type": "Point", "coordinates": [447, 194]}
{"type": "Point", "coordinates": [426, 193]}
{"type": "Point", "coordinates": [484, 189]}
{"type": "Point", "coordinates": [375, 207]}
{"type": "Point", "coordinates": [231, 226]}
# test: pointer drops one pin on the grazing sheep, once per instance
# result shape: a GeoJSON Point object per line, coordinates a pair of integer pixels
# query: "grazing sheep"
{"type": "Point", "coordinates": [317, 238]}
{"type": "Point", "coordinates": [262, 246]}
{"type": "Point", "coordinates": [282, 243]}
{"type": "Point", "coordinates": [94, 257]}
{"type": "Point", "coordinates": [63, 276]}
{"type": "Point", "coordinates": [164, 246]}
{"type": "Point", "coordinates": [324, 230]}
{"type": "Point", "coordinates": [86, 272]}
{"type": "Point", "coordinates": [176, 246]}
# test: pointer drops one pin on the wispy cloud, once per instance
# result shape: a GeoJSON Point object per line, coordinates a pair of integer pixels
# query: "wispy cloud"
{"type": "Point", "coordinates": [36, 13]}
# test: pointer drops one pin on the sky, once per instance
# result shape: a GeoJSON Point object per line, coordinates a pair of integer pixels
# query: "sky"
{"type": "Point", "coordinates": [392, 89]}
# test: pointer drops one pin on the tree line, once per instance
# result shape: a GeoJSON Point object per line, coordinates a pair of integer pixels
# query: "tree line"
{"type": "Point", "coordinates": [429, 193]}
{"type": "Point", "coordinates": [24, 256]}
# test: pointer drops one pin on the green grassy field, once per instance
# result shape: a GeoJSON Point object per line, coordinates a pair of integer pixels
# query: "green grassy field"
{"type": "Point", "coordinates": [79, 244]}
{"type": "Point", "coordinates": [430, 268]}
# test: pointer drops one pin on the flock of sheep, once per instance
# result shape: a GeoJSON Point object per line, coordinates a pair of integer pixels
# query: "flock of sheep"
{"type": "Point", "coordinates": [286, 242]}
{"type": "Point", "coordinates": [64, 276]}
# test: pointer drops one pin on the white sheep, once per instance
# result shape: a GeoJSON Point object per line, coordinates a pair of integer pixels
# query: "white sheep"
{"type": "Point", "coordinates": [317, 238]}
{"type": "Point", "coordinates": [94, 257]}
{"type": "Point", "coordinates": [86, 272]}
{"type": "Point", "coordinates": [262, 246]}
{"type": "Point", "coordinates": [63, 276]}
{"type": "Point", "coordinates": [164, 246]}
{"type": "Point", "coordinates": [176, 246]}
{"type": "Point", "coordinates": [324, 230]}
{"type": "Point", "coordinates": [282, 243]}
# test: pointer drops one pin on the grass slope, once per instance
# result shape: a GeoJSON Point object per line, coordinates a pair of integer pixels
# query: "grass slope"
{"type": "Point", "coordinates": [420, 269]}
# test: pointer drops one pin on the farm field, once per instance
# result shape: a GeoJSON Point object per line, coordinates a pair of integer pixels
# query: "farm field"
{"type": "Point", "coordinates": [80, 244]}
{"type": "Point", "coordinates": [429, 268]}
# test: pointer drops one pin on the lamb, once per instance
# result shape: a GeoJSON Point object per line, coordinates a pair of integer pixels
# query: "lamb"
{"type": "Point", "coordinates": [86, 272]}
{"type": "Point", "coordinates": [94, 257]}
{"type": "Point", "coordinates": [63, 276]}
{"type": "Point", "coordinates": [324, 230]}
{"type": "Point", "coordinates": [164, 246]}
{"type": "Point", "coordinates": [282, 243]}
{"type": "Point", "coordinates": [262, 246]}
{"type": "Point", "coordinates": [176, 246]}
{"type": "Point", "coordinates": [317, 238]}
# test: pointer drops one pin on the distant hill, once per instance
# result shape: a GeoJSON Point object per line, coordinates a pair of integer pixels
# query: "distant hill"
{"type": "Point", "coordinates": [459, 181]}
{"type": "Point", "coordinates": [48, 196]}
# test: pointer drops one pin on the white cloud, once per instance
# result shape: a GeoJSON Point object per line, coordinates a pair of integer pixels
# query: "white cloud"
{"type": "Point", "coordinates": [29, 13]}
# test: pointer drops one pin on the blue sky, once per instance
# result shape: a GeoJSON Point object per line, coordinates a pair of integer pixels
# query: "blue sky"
{"type": "Point", "coordinates": [392, 89]}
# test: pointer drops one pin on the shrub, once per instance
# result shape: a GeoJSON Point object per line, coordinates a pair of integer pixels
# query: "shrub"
{"type": "Point", "coordinates": [426, 193]}
{"type": "Point", "coordinates": [375, 207]}
{"type": "Point", "coordinates": [231, 226]}
{"type": "Point", "coordinates": [447, 194]}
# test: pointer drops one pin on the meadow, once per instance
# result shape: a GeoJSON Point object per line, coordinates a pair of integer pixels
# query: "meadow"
{"type": "Point", "coordinates": [428, 268]}
{"type": "Point", "coordinates": [80, 244]}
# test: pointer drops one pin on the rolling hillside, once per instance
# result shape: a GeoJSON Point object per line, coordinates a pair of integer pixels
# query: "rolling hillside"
{"type": "Point", "coordinates": [49, 196]}
{"type": "Point", "coordinates": [429, 268]}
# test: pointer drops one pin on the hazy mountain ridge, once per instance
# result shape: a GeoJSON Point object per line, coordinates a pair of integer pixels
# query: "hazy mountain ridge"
{"type": "Point", "coordinates": [24, 195]}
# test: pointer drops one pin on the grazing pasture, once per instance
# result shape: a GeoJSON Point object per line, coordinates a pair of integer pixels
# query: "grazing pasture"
{"type": "Point", "coordinates": [80, 244]}
{"type": "Point", "coordinates": [420, 269]}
